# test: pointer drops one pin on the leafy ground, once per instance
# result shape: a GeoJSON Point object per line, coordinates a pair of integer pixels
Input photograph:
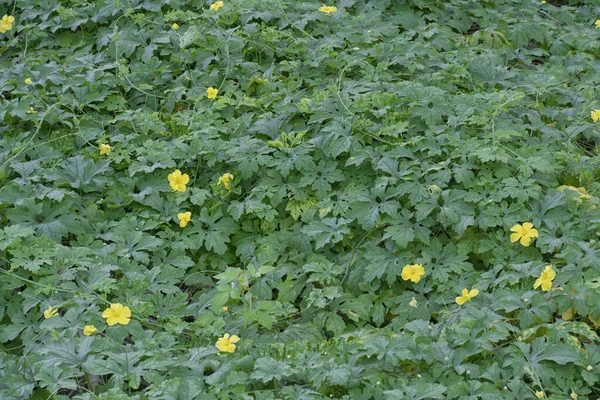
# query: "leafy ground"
{"type": "Point", "coordinates": [350, 172]}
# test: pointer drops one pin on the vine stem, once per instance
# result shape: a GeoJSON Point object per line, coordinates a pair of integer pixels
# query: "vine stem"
{"type": "Point", "coordinates": [356, 248]}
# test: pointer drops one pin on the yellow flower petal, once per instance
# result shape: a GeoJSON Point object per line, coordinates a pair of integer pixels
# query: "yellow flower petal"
{"type": "Point", "coordinates": [184, 218]}
{"type": "Point", "coordinates": [211, 93]}
{"type": "Point", "coordinates": [177, 180]}
{"type": "Point", "coordinates": [117, 314]}
{"type": "Point", "coordinates": [327, 9]}
{"type": "Point", "coordinates": [533, 233]}
{"type": "Point", "coordinates": [412, 272]}
{"type": "Point", "coordinates": [50, 312]}
{"type": "Point", "coordinates": [216, 5]}
{"type": "Point", "coordinates": [89, 329]}
{"type": "Point", "coordinates": [466, 295]}
{"type": "Point", "coordinates": [515, 237]}
{"type": "Point", "coordinates": [517, 229]}
{"type": "Point", "coordinates": [226, 343]}
{"type": "Point", "coordinates": [524, 233]}
{"type": "Point", "coordinates": [545, 279]}
{"type": "Point", "coordinates": [104, 149]}
{"type": "Point", "coordinates": [6, 23]}
{"type": "Point", "coordinates": [224, 181]}
{"type": "Point", "coordinates": [546, 285]}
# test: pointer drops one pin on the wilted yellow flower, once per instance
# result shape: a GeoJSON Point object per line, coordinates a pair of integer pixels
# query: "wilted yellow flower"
{"type": "Point", "coordinates": [545, 279]}
{"type": "Point", "coordinates": [226, 343]}
{"type": "Point", "coordinates": [224, 181]}
{"type": "Point", "coordinates": [175, 26]}
{"type": "Point", "coordinates": [28, 81]}
{"type": "Point", "coordinates": [184, 218]}
{"type": "Point", "coordinates": [413, 272]}
{"type": "Point", "coordinates": [589, 368]}
{"type": "Point", "coordinates": [595, 115]}
{"type": "Point", "coordinates": [89, 329]}
{"type": "Point", "coordinates": [524, 232]}
{"type": "Point", "coordinates": [327, 9]}
{"type": "Point", "coordinates": [539, 394]}
{"type": "Point", "coordinates": [177, 180]}
{"type": "Point", "coordinates": [581, 190]}
{"type": "Point", "coordinates": [466, 296]}
{"type": "Point", "coordinates": [104, 149]}
{"type": "Point", "coordinates": [597, 23]}
{"type": "Point", "coordinates": [50, 312]}
{"type": "Point", "coordinates": [31, 111]}
{"type": "Point", "coordinates": [211, 93]}
{"type": "Point", "coordinates": [6, 23]}
{"type": "Point", "coordinates": [117, 314]}
{"type": "Point", "coordinates": [574, 395]}
{"type": "Point", "coordinates": [224, 309]}
{"type": "Point", "coordinates": [216, 5]}
{"type": "Point", "coordinates": [413, 303]}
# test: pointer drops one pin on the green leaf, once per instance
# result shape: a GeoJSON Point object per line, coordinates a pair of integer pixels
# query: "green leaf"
{"type": "Point", "coordinates": [11, 235]}
{"type": "Point", "coordinates": [327, 231]}
{"type": "Point", "coordinates": [267, 369]}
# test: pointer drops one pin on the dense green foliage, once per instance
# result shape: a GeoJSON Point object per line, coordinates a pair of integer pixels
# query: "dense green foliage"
{"type": "Point", "coordinates": [383, 134]}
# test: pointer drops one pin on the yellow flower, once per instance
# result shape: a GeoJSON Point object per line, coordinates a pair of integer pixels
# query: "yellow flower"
{"type": "Point", "coordinates": [327, 9]}
{"type": "Point", "coordinates": [211, 93]}
{"type": "Point", "coordinates": [175, 26]}
{"type": "Point", "coordinates": [413, 272]}
{"type": "Point", "coordinates": [224, 309]}
{"type": "Point", "coordinates": [574, 395]}
{"type": "Point", "coordinates": [597, 23]}
{"type": "Point", "coordinates": [539, 394]}
{"type": "Point", "coordinates": [226, 343]}
{"type": "Point", "coordinates": [524, 232]}
{"type": "Point", "coordinates": [413, 303]}
{"type": "Point", "coordinates": [545, 279]}
{"type": "Point", "coordinates": [466, 296]}
{"type": "Point", "coordinates": [6, 23]}
{"type": "Point", "coordinates": [216, 5]}
{"type": "Point", "coordinates": [28, 81]}
{"type": "Point", "coordinates": [224, 181]}
{"type": "Point", "coordinates": [595, 115]}
{"type": "Point", "coordinates": [184, 218]}
{"type": "Point", "coordinates": [117, 314]}
{"type": "Point", "coordinates": [177, 180]}
{"type": "Point", "coordinates": [104, 149]}
{"type": "Point", "coordinates": [50, 312]}
{"type": "Point", "coordinates": [89, 329]}
{"type": "Point", "coordinates": [31, 111]}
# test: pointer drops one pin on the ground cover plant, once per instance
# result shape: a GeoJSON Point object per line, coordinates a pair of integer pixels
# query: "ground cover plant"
{"type": "Point", "coordinates": [270, 199]}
